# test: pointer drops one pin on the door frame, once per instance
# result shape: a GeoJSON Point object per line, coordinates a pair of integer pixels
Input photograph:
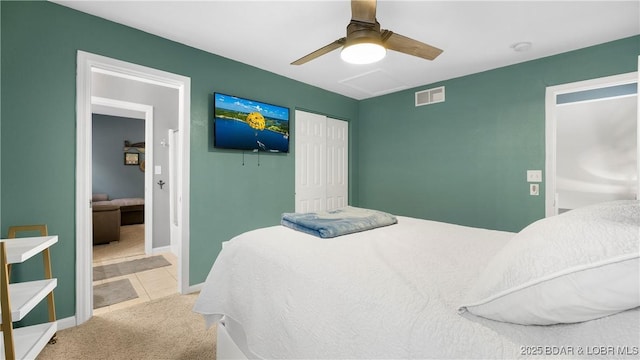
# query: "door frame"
{"type": "Point", "coordinates": [551, 123]}
{"type": "Point", "coordinates": [87, 63]}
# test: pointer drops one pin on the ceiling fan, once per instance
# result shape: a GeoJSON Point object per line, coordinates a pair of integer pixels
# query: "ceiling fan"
{"type": "Point", "coordinates": [364, 33]}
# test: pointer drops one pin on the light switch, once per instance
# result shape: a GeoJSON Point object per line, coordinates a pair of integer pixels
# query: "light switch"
{"type": "Point", "coordinates": [158, 170]}
{"type": "Point", "coordinates": [534, 175]}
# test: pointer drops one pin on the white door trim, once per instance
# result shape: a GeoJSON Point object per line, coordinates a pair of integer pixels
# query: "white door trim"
{"type": "Point", "coordinates": [551, 121]}
{"type": "Point", "coordinates": [174, 156]}
{"type": "Point", "coordinates": [86, 64]}
{"type": "Point", "coordinates": [148, 157]}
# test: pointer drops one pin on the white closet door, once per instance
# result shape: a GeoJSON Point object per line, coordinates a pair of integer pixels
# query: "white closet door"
{"type": "Point", "coordinates": [322, 162]}
{"type": "Point", "coordinates": [337, 164]}
{"type": "Point", "coordinates": [310, 153]}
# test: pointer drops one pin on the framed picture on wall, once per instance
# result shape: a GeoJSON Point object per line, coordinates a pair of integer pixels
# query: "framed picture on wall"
{"type": "Point", "coordinates": [131, 158]}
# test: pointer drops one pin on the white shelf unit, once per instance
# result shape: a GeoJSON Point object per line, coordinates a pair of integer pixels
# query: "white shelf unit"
{"type": "Point", "coordinates": [18, 299]}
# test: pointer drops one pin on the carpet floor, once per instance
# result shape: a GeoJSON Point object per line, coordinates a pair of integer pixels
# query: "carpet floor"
{"type": "Point", "coordinates": [161, 329]}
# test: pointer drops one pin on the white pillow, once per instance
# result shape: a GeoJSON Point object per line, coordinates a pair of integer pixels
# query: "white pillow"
{"type": "Point", "coordinates": [578, 266]}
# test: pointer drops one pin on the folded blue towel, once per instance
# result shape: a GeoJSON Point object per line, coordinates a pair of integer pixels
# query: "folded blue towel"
{"type": "Point", "coordinates": [338, 222]}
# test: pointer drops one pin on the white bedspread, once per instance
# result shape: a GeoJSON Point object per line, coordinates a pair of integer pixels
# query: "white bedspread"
{"type": "Point", "coordinates": [387, 293]}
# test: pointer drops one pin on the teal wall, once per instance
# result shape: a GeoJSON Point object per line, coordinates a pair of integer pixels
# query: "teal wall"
{"type": "Point", "coordinates": [39, 45]}
{"type": "Point", "coordinates": [464, 161]}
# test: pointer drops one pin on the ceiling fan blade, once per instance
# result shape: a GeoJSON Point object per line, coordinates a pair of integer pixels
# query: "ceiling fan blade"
{"type": "Point", "coordinates": [403, 44]}
{"type": "Point", "coordinates": [363, 10]}
{"type": "Point", "coordinates": [323, 50]}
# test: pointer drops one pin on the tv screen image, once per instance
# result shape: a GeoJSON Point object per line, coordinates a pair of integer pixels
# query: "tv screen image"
{"type": "Point", "coordinates": [245, 124]}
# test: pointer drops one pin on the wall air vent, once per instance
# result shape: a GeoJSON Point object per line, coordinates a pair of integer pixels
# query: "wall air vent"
{"type": "Point", "coordinates": [430, 96]}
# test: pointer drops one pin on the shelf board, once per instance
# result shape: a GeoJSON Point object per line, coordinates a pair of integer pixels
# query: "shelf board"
{"type": "Point", "coordinates": [21, 249]}
{"type": "Point", "coordinates": [30, 340]}
{"type": "Point", "coordinates": [26, 295]}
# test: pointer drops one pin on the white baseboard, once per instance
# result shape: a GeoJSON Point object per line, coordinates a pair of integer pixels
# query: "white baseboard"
{"type": "Point", "coordinates": [160, 250]}
{"type": "Point", "coordinates": [66, 323]}
{"type": "Point", "coordinates": [194, 288]}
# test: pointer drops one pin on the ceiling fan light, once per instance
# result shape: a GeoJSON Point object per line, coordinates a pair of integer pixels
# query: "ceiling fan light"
{"type": "Point", "coordinates": [363, 53]}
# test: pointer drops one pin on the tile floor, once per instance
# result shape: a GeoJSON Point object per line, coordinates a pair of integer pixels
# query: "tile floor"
{"type": "Point", "coordinates": [150, 284]}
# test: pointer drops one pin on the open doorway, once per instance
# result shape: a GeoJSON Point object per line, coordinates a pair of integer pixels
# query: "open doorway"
{"type": "Point", "coordinates": [126, 270]}
{"type": "Point", "coordinates": [118, 198]}
{"type": "Point", "coordinates": [591, 142]}
{"type": "Point", "coordinates": [91, 66]}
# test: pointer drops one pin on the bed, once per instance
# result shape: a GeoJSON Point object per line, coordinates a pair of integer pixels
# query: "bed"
{"type": "Point", "coordinates": [426, 289]}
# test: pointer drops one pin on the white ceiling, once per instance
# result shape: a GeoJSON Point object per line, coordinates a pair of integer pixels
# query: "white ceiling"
{"type": "Point", "coordinates": [475, 35]}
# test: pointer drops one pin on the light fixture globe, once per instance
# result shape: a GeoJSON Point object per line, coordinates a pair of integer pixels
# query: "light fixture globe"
{"type": "Point", "coordinates": [363, 45]}
{"type": "Point", "coordinates": [363, 53]}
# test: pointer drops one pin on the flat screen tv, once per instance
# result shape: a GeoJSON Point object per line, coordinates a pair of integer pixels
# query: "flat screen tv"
{"type": "Point", "coordinates": [244, 124]}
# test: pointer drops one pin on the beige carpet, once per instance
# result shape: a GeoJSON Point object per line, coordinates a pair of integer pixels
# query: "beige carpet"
{"type": "Point", "coordinates": [161, 329]}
